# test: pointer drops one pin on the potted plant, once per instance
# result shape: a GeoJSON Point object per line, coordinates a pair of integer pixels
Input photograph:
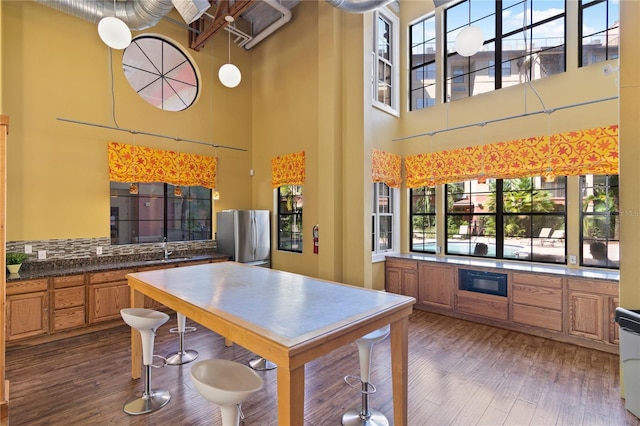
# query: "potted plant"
{"type": "Point", "coordinates": [14, 261]}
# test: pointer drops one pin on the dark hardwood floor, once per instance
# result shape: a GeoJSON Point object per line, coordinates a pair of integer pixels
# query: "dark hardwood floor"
{"type": "Point", "coordinates": [460, 373]}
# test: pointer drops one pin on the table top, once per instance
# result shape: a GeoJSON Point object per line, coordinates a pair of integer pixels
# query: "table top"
{"type": "Point", "coordinates": [284, 307]}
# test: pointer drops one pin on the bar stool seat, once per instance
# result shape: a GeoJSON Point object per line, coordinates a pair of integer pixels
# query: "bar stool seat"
{"type": "Point", "coordinates": [182, 356]}
{"type": "Point", "coordinates": [227, 384]}
{"type": "Point", "coordinates": [366, 416]}
{"type": "Point", "coordinates": [146, 321]}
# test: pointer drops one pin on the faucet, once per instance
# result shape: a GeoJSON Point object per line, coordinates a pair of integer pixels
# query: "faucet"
{"type": "Point", "coordinates": [164, 247]}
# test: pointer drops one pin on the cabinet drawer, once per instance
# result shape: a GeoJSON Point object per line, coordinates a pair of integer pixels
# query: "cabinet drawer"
{"type": "Point", "coordinates": [68, 297]}
{"type": "Point", "coordinates": [29, 286]}
{"type": "Point", "coordinates": [68, 318]}
{"type": "Point", "coordinates": [400, 263]}
{"type": "Point", "coordinates": [537, 317]}
{"type": "Point", "coordinates": [592, 286]}
{"type": "Point", "coordinates": [483, 305]}
{"type": "Point", "coordinates": [108, 276]}
{"type": "Point", "coordinates": [537, 280]}
{"type": "Point", "coordinates": [68, 281]}
{"type": "Point", "coordinates": [543, 297]}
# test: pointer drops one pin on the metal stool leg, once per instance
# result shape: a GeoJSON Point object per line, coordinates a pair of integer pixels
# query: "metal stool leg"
{"type": "Point", "coordinates": [261, 364]}
{"type": "Point", "coordinates": [182, 356]}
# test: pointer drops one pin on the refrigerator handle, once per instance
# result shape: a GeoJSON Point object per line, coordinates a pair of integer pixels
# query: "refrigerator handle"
{"type": "Point", "coordinates": [254, 234]}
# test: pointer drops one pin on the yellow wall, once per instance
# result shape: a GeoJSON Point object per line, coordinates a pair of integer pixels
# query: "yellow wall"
{"type": "Point", "coordinates": [58, 184]}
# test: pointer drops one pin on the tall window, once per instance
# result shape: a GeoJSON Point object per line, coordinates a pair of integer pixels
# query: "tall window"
{"type": "Point", "coordinates": [382, 223]}
{"type": "Point", "coordinates": [600, 221]}
{"type": "Point", "coordinates": [156, 213]}
{"type": "Point", "coordinates": [527, 39]}
{"type": "Point", "coordinates": [423, 91]}
{"type": "Point", "coordinates": [386, 76]}
{"type": "Point", "coordinates": [521, 219]}
{"type": "Point", "coordinates": [290, 202]}
{"type": "Point", "coordinates": [599, 30]}
{"type": "Point", "coordinates": [422, 219]}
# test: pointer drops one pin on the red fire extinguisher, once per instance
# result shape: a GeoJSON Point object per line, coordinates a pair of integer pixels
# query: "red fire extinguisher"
{"type": "Point", "coordinates": [315, 239]}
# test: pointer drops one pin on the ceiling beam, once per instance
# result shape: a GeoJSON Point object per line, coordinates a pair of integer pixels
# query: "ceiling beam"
{"type": "Point", "coordinates": [206, 26]}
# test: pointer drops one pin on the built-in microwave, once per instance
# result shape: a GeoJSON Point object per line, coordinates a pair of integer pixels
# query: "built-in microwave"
{"type": "Point", "coordinates": [483, 282]}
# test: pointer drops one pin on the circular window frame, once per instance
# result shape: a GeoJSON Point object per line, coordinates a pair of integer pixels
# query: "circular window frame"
{"type": "Point", "coordinates": [161, 72]}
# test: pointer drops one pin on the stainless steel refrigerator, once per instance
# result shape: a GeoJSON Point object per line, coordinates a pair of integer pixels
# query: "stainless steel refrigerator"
{"type": "Point", "coordinates": [245, 236]}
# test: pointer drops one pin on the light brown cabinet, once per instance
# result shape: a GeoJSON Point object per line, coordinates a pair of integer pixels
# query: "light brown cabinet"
{"type": "Point", "coordinates": [401, 277]}
{"type": "Point", "coordinates": [108, 294]}
{"type": "Point", "coordinates": [537, 300]}
{"type": "Point", "coordinates": [591, 309]}
{"type": "Point", "coordinates": [68, 302]}
{"type": "Point", "coordinates": [436, 285]}
{"type": "Point", "coordinates": [27, 309]}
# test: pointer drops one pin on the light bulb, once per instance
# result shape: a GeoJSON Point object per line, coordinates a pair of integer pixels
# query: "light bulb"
{"type": "Point", "coordinates": [229, 75]}
{"type": "Point", "coordinates": [469, 41]}
{"type": "Point", "coordinates": [114, 32]}
{"type": "Point", "coordinates": [133, 189]}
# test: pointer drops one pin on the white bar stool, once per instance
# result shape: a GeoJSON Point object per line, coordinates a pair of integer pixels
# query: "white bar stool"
{"type": "Point", "coordinates": [146, 321]}
{"type": "Point", "coordinates": [366, 416]}
{"type": "Point", "coordinates": [182, 356]}
{"type": "Point", "coordinates": [226, 383]}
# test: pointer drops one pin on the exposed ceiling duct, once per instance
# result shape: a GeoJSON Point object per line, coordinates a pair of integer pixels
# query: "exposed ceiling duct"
{"type": "Point", "coordinates": [138, 14]}
{"type": "Point", "coordinates": [358, 6]}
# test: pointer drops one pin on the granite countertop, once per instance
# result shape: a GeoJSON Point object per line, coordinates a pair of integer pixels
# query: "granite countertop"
{"type": "Point", "coordinates": [58, 268]}
{"type": "Point", "coordinates": [599, 274]}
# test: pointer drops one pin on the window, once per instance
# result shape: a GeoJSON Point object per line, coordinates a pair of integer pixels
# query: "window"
{"type": "Point", "coordinates": [423, 63]}
{"type": "Point", "coordinates": [422, 219]}
{"type": "Point", "coordinates": [156, 213]}
{"type": "Point", "coordinates": [599, 31]}
{"type": "Point", "coordinates": [600, 233]}
{"type": "Point", "coordinates": [520, 219]}
{"type": "Point", "coordinates": [528, 46]}
{"type": "Point", "coordinates": [290, 202]}
{"type": "Point", "coordinates": [386, 43]}
{"type": "Point", "coordinates": [382, 223]}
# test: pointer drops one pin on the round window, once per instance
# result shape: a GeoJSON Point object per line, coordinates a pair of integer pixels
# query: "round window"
{"type": "Point", "coordinates": [161, 72]}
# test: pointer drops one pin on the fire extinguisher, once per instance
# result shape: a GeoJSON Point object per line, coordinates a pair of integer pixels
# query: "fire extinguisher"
{"type": "Point", "coordinates": [315, 239]}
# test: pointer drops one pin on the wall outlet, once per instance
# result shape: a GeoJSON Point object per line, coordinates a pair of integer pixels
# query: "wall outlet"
{"type": "Point", "coordinates": [98, 251]}
{"type": "Point", "coordinates": [573, 260]}
{"type": "Point", "coordinates": [28, 249]}
{"type": "Point", "coordinates": [42, 254]}
{"type": "Point", "coordinates": [437, 249]}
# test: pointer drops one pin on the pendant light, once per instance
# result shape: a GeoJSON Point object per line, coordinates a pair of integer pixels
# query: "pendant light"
{"type": "Point", "coordinates": [114, 32]}
{"type": "Point", "coordinates": [229, 74]}
{"type": "Point", "coordinates": [178, 191]}
{"type": "Point", "coordinates": [133, 187]}
{"type": "Point", "coordinates": [469, 41]}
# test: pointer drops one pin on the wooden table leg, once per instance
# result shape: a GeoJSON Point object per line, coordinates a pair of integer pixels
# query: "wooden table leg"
{"type": "Point", "coordinates": [291, 396]}
{"type": "Point", "coordinates": [399, 369]}
{"type": "Point", "coordinates": [137, 301]}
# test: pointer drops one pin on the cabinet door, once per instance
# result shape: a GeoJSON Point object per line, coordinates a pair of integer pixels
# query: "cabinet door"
{"type": "Point", "coordinates": [27, 315]}
{"type": "Point", "coordinates": [436, 285]}
{"type": "Point", "coordinates": [393, 280]}
{"type": "Point", "coordinates": [586, 315]}
{"type": "Point", "coordinates": [106, 301]}
{"type": "Point", "coordinates": [410, 283]}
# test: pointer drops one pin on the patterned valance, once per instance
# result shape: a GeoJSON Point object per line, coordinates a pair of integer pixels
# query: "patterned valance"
{"type": "Point", "coordinates": [130, 163]}
{"type": "Point", "coordinates": [288, 170]}
{"type": "Point", "coordinates": [387, 168]}
{"type": "Point", "coordinates": [592, 151]}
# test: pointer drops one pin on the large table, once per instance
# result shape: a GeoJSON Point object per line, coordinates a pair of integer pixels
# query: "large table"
{"type": "Point", "coordinates": [287, 318]}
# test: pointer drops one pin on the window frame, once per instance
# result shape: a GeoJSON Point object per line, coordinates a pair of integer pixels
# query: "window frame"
{"type": "Point", "coordinates": [608, 33]}
{"type": "Point", "coordinates": [294, 216]}
{"type": "Point", "coordinates": [429, 215]}
{"type": "Point", "coordinates": [394, 209]}
{"type": "Point", "coordinates": [393, 62]}
{"type": "Point", "coordinates": [417, 86]}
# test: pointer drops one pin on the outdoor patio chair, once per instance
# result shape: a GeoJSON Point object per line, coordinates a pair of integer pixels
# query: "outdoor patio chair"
{"type": "Point", "coordinates": [556, 237]}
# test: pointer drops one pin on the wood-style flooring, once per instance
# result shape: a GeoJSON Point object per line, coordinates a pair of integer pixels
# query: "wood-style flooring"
{"type": "Point", "coordinates": [460, 373]}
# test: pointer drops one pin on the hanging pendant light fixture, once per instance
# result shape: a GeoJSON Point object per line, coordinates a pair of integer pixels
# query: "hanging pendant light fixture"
{"type": "Point", "coordinates": [229, 74]}
{"type": "Point", "coordinates": [133, 187]}
{"type": "Point", "coordinates": [114, 32]}
{"type": "Point", "coordinates": [178, 191]}
{"type": "Point", "coordinates": [469, 41]}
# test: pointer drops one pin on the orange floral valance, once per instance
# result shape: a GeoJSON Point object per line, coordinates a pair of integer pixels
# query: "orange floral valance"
{"type": "Point", "coordinates": [288, 170]}
{"type": "Point", "coordinates": [387, 168]}
{"type": "Point", "coordinates": [131, 163]}
{"type": "Point", "coordinates": [592, 151]}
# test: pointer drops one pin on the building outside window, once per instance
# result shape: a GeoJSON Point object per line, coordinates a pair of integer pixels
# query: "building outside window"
{"type": "Point", "coordinates": [383, 232]}
{"type": "Point", "coordinates": [290, 203]}
{"type": "Point", "coordinates": [529, 44]}
{"type": "Point", "coordinates": [600, 233]}
{"type": "Point", "coordinates": [422, 219]}
{"type": "Point", "coordinates": [520, 219]}
{"type": "Point", "coordinates": [422, 76]}
{"type": "Point", "coordinates": [155, 213]}
{"type": "Point", "coordinates": [385, 51]}
{"type": "Point", "coordinates": [598, 31]}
